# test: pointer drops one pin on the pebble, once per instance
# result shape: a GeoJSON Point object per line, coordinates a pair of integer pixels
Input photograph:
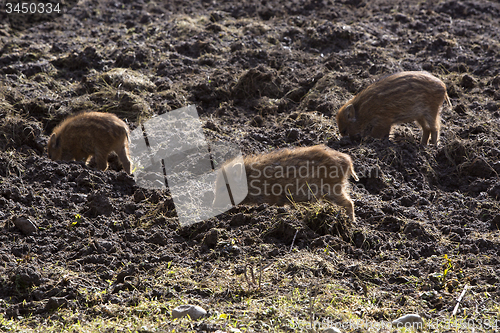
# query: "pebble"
{"type": "Point", "coordinates": [194, 311]}
{"type": "Point", "coordinates": [332, 330]}
{"type": "Point", "coordinates": [211, 238]}
{"type": "Point", "coordinates": [230, 330]}
{"type": "Point", "coordinates": [409, 321]}
{"type": "Point", "coordinates": [25, 224]}
{"type": "Point", "coordinates": [55, 303]}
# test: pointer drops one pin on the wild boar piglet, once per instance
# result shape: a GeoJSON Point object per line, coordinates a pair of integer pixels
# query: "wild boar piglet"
{"type": "Point", "coordinates": [88, 134]}
{"type": "Point", "coordinates": [398, 98]}
{"type": "Point", "coordinates": [290, 175]}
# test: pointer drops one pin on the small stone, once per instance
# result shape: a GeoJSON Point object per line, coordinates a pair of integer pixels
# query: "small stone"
{"type": "Point", "coordinates": [25, 224]}
{"type": "Point", "coordinates": [332, 330]}
{"type": "Point", "coordinates": [292, 134]}
{"type": "Point", "coordinates": [468, 81]}
{"type": "Point", "coordinates": [211, 238]}
{"type": "Point", "coordinates": [409, 321]}
{"type": "Point", "coordinates": [194, 311]}
{"type": "Point", "coordinates": [55, 303]}
{"type": "Point", "coordinates": [145, 19]}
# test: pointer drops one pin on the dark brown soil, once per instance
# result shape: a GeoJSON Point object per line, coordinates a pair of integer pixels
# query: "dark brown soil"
{"type": "Point", "coordinates": [263, 76]}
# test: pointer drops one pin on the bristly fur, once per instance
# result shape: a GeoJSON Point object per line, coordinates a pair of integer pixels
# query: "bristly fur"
{"type": "Point", "coordinates": [87, 134]}
{"type": "Point", "coordinates": [308, 174]}
{"type": "Point", "coordinates": [398, 98]}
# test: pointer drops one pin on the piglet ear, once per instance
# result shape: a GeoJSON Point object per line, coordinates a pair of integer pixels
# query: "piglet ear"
{"type": "Point", "coordinates": [350, 113]}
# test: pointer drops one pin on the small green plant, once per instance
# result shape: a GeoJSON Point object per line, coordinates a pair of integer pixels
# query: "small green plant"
{"type": "Point", "coordinates": [448, 266]}
{"type": "Point", "coordinates": [78, 218]}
